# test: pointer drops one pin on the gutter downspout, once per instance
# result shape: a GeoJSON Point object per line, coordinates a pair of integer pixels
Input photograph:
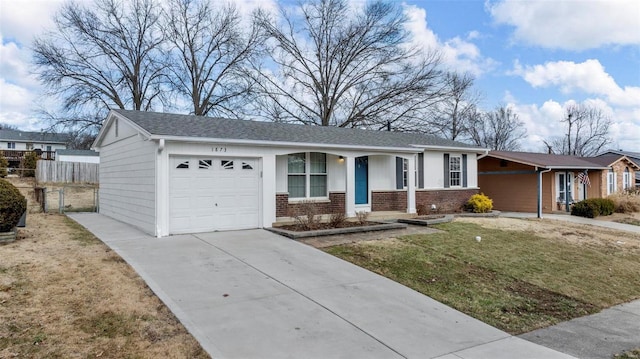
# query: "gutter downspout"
{"type": "Point", "coordinates": [159, 181]}
{"type": "Point", "coordinates": [540, 172]}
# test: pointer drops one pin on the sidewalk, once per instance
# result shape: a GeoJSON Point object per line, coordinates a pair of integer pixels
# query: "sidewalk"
{"type": "Point", "coordinates": [597, 336]}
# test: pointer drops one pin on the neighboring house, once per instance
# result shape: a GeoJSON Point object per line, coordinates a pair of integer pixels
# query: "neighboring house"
{"type": "Point", "coordinates": [620, 174]}
{"type": "Point", "coordinates": [169, 174]}
{"type": "Point", "coordinates": [540, 182]}
{"type": "Point", "coordinates": [633, 156]}
{"type": "Point", "coordinates": [14, 144]}
{"type": "Point", "coordinates": [85, 156]}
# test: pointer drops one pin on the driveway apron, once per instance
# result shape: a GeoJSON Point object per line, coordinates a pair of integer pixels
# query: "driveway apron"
{"type": "Point", "coordinates": [254, 294]}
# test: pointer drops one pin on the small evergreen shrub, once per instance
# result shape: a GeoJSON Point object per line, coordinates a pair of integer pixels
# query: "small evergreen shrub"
{"type": "Point", "coordinates": [12, 206]}
{"type": "Point", "coordinates": [4, 163]}
{"type": "Point", "coordinates": [479, 203]}
{"type": "Point", "coordinates": [586, 208]}
{"type": "Point", "coordinates": [593, 207]}
{"type": "Point", "coordinates": [29, 163]}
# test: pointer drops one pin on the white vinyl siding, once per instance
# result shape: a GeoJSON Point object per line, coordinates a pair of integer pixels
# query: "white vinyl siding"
{"type": "Point", "coordinates": [127, 182]}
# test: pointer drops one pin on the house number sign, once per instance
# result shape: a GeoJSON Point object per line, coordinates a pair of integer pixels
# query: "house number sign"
{"type": "Point", "coordinates": [218, 149]}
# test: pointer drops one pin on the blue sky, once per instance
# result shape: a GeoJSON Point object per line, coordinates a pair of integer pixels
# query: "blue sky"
{"type": "Point", "coordinates": [533, 55]}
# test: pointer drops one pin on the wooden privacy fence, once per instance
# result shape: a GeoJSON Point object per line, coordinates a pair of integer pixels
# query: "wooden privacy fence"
{"type": "Point", "coordinates": [67, 172]}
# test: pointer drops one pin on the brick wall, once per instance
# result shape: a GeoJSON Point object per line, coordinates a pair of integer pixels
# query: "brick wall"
{"type": "Point", "coordinates": [445, 200]}
{"type": "Point", "coordinates": [335, 204]}
{"type": "Point", "coordinates": [389, 200]}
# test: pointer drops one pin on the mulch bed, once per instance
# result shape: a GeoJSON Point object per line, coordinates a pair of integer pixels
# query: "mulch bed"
{"type": "Point", "coordinates": [320, 226]}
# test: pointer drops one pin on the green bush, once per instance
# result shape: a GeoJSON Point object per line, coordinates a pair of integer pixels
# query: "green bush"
{"type": "Point", "coordinates": [479, 203]}
{"type": "Point", "coordinates": [4, 163]}
{"type": "Point", "coordinates": [29, 164]}
{"type": "Point", "coordinates": [12, 206]}
{"type": "Point", "coordinates": [593, 207]}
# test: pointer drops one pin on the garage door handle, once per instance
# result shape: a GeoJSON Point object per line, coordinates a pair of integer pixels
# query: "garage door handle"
{"type": "Point", "coordinates": [216, 205]}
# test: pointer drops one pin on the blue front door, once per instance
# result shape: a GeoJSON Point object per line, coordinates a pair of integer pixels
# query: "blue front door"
{"type": "Point", "coordinates": [362, 180]}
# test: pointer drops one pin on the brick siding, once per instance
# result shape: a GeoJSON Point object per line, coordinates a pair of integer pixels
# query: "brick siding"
{"type": "Point", "coordinates": [389, 200]}
{"type": "Point", "coordinates": [445, 200]}
{"type": "Point", "coordinates": [335, 204]}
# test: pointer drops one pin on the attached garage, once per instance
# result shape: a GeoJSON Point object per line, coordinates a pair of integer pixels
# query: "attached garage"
{"type": "Point", "coordinates": [213, 193]}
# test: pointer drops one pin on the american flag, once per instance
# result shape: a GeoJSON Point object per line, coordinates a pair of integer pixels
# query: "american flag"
{"type": "Point", "coordinates": [583, 178]}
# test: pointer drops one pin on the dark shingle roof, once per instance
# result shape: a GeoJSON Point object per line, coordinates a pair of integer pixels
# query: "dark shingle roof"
{"type": "Point", "coordinates": [44, 137]}
{"type": "Point", "coordinates": [547, 160]}
{"type": "Point", "coordinates": [165, 124]}
{"type": "Point", "coordinates": [77, 153]}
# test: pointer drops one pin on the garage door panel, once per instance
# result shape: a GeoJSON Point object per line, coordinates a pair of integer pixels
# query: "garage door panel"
{"type": "Point", "coordinates": [213, 194]}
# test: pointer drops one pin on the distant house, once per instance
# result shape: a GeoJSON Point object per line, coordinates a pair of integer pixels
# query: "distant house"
{"type": "Point", "coordinates": [85, 156]}
{"type": "Point", "coordinates": [14, 144]}
{"type": "Point", "coordinates": [633, 156]}
{"type": "Point", "coordinates": [540, 182]}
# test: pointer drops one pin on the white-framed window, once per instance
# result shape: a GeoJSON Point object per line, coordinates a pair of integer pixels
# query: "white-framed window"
{"type": "Point", "coordinates": [564, 186]}
{"type": "Point", "coordinates": [11, 145]}
{"type": "Point", "coordinates": [626, 179]}
{"type": "Point", "coordinates": [455, 171]}
{"type": "Point", "coordinates": [307, 175]}
{"type": "Point", "coordinates": [611, 182]}
{"type": "Point", "coordinates": [405, 173]}
{"type": "Point", "coordinates": [29, 146]}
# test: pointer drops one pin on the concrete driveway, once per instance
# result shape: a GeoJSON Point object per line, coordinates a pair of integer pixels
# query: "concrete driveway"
{"type": "Point", "coordinates": [254, 294]}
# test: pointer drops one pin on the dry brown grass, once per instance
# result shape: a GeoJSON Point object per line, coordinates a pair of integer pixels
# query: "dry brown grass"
{"type": "Point", "coordinates": [64, 294]}
{"type": "Point", "coordinates": [626, 202]}
{"type": "Point", "coordinates": [563, 231]}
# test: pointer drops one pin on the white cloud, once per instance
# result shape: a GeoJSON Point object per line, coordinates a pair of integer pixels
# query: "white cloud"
{"type": "Point", "coordinates": [571, 25]}
{"type": "Point", "coordinates": [457, 53]}
{"type": "Point", "coordinates": [588, 77]}
{"type": "Point", "coordinates": [543, 122]}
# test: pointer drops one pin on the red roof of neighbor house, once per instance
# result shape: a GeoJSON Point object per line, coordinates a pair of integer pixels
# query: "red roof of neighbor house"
{"type": "Point", "coordinates": [609, 159]}
{"type": "Point", "coordinates": [546, 160]}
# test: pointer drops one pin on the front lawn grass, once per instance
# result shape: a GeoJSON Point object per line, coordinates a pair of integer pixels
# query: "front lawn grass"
{"type": "Point", "coordinates": [513, 280]}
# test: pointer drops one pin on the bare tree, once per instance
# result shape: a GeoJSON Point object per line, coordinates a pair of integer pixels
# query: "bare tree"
{"type": "Point", "coordinates": [211, 52]}
{"type": "Point", "coordinates": [338, 66]}
{"type": "Point", "coordinates": [587, 132]}
{"type": "Point", "coordinates": [102, 56]}
{"type": "Point", "coordinates": [452, 117]}
{"type": "Point", "coordinates": [499, 130]}
{"type": "Point", "coordinates": [6, 126]}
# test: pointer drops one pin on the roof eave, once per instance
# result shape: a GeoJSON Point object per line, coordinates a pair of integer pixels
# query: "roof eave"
{"type": "Point", "coordinates": [284, 144]}
{"type": "Point", "coordinates": [452, 148]}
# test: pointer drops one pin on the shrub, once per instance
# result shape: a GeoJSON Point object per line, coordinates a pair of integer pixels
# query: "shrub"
{"type": "Point", "coordinates": [306, 215]}
{"type": "Point", "coordinates": [626, 202]}
{"type": "Point", "coordinates": [12, 206]}
{"type": "Point", "coordinates": [29, 164]}
{"type": "Point", "coordinates": [337, 219]}
{"type": "Point", "coordinates": [4, 163]}
{"type": "Point", "coordinates": [422, 210]}
{"type": "Point", "coordinates": [586, 208]}
{"type": "Point", "coordinates": [593, 207]}
{"type": "Point", "coordinates": [362, 216]}
{"type": "Point", "coordinates": [479, 203]}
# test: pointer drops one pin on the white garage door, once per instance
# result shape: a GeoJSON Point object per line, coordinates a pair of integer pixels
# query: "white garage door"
{"type": "Point", "coordinates": [213, 193]}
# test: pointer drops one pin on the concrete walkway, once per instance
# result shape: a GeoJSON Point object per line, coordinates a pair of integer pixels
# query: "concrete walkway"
{"type": "Point", "coordinates": [597, 336]}
{"type": "Point", "coordinates": [254, 294]}
{"type": "Point", "coordinates": [576, 219]}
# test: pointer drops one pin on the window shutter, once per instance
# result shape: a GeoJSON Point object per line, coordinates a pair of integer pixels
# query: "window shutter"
{"type": "Point", "coordinates": [399, 173]}
{"type": "Point", "coordinates": [464, 171]}
{"type": "Point", "coordinates": [447, 180]}
{"type": "Point", "coordinates": [421, 170]}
